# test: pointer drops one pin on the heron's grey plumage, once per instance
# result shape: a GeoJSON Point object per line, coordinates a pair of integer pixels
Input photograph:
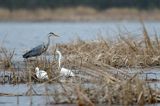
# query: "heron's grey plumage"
{"type": "Point", "coordinates": [37, 51]}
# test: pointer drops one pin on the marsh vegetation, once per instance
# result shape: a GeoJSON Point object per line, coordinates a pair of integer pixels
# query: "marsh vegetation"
{"type": "Point", "coordinates": [100, 69]}
{"type": "Point", "coordinates": [80, 13]}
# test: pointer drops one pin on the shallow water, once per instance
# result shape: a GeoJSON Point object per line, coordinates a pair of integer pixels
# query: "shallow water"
{"type": "Point", "coordinates": [22, 36]}
{"type": "Point", "coordinates": [21, 89]}
{"type": "Point", "coordinates": [38, 98]}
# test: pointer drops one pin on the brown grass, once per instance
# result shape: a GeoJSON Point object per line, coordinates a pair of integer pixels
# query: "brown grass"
{"type": "Point", "coordinates": [123, 52]}
{"type": "Point", "coordinates": [6, 57]}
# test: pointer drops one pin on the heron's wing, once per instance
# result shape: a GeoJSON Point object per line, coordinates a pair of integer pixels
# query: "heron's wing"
{"type": "Point", "coordinates": [39, 48]}
{"type": "Point", "coordinates": [36, 51]}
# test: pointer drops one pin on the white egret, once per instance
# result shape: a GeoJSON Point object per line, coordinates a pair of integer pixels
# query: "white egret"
{"type": "Point", "coordinates": [64, 71]}
{"type": "Point", "coordinates": [41, 74]}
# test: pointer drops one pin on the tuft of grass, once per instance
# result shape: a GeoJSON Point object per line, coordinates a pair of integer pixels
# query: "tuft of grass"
{"type": "Point", "coordinates": [6, 57]}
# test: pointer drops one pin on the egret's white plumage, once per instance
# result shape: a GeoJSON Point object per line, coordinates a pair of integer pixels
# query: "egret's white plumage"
{"type": "Point", "coordinates": [41, 74]}
{"type": "Point", "coordinates": [64, 71]}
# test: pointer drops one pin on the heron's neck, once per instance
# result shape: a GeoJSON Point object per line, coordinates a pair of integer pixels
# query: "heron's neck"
{"type": "Point", "coordinates": [48, 41]}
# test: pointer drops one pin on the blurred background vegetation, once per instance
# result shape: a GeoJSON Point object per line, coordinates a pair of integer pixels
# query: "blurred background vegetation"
{"type": "Point", "coordinates": [78, 10]}
{"type": "Point", "coordinates": [97, 4]}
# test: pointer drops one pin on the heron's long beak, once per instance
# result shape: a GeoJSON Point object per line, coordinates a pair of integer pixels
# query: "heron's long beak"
{"type": "Point", "coordinates": [56, 35]}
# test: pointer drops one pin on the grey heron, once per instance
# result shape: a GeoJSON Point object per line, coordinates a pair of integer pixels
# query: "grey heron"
{"type": "Point", "coordinates": [37, 51]}
{"type": "Point", "coordinates": [64, 71]}
{"type": "Point", "coordinates": [41, 74]}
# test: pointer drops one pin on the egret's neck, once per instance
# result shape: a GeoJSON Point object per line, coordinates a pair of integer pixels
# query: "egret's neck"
{"type": "Point", "coordinates": [37, 70]}
{"type": "Point", "coordinates": [59, 59]}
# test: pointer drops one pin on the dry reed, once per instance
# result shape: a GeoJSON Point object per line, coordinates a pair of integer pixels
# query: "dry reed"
{"type": "Point", "coordinates": [123, 52]}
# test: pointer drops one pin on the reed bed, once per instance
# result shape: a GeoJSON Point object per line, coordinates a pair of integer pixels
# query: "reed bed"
{"type": "Point", "coordinates": [98, 58]}
{"type": "Point", "coordinates": [122, 52]}
{"type": "Point", "coordinates": [97, 65]}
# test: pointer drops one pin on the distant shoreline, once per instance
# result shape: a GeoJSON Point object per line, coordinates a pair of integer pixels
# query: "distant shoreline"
{"type": "Point", "coordinates": [78, 14]}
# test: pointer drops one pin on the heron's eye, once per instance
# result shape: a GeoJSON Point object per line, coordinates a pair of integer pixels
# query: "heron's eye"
{"type": "Point", "coordinates": [51, 33]}
{"type": "Point", "coordinates": [44, 47]}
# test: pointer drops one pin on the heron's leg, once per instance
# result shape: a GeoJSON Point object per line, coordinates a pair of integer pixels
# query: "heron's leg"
{"type": "Point", "coordinates": [25, 63]}
{"type": "Point", "coordinates": [43, 60]}
{"type": "Point", "coordinates": [37, 61]}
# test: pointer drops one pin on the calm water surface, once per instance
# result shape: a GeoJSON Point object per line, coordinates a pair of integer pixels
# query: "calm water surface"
{"type": "Point", "coordinates": [151, 73]}
{"type": "Point", "coordinates": [25, 35]}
